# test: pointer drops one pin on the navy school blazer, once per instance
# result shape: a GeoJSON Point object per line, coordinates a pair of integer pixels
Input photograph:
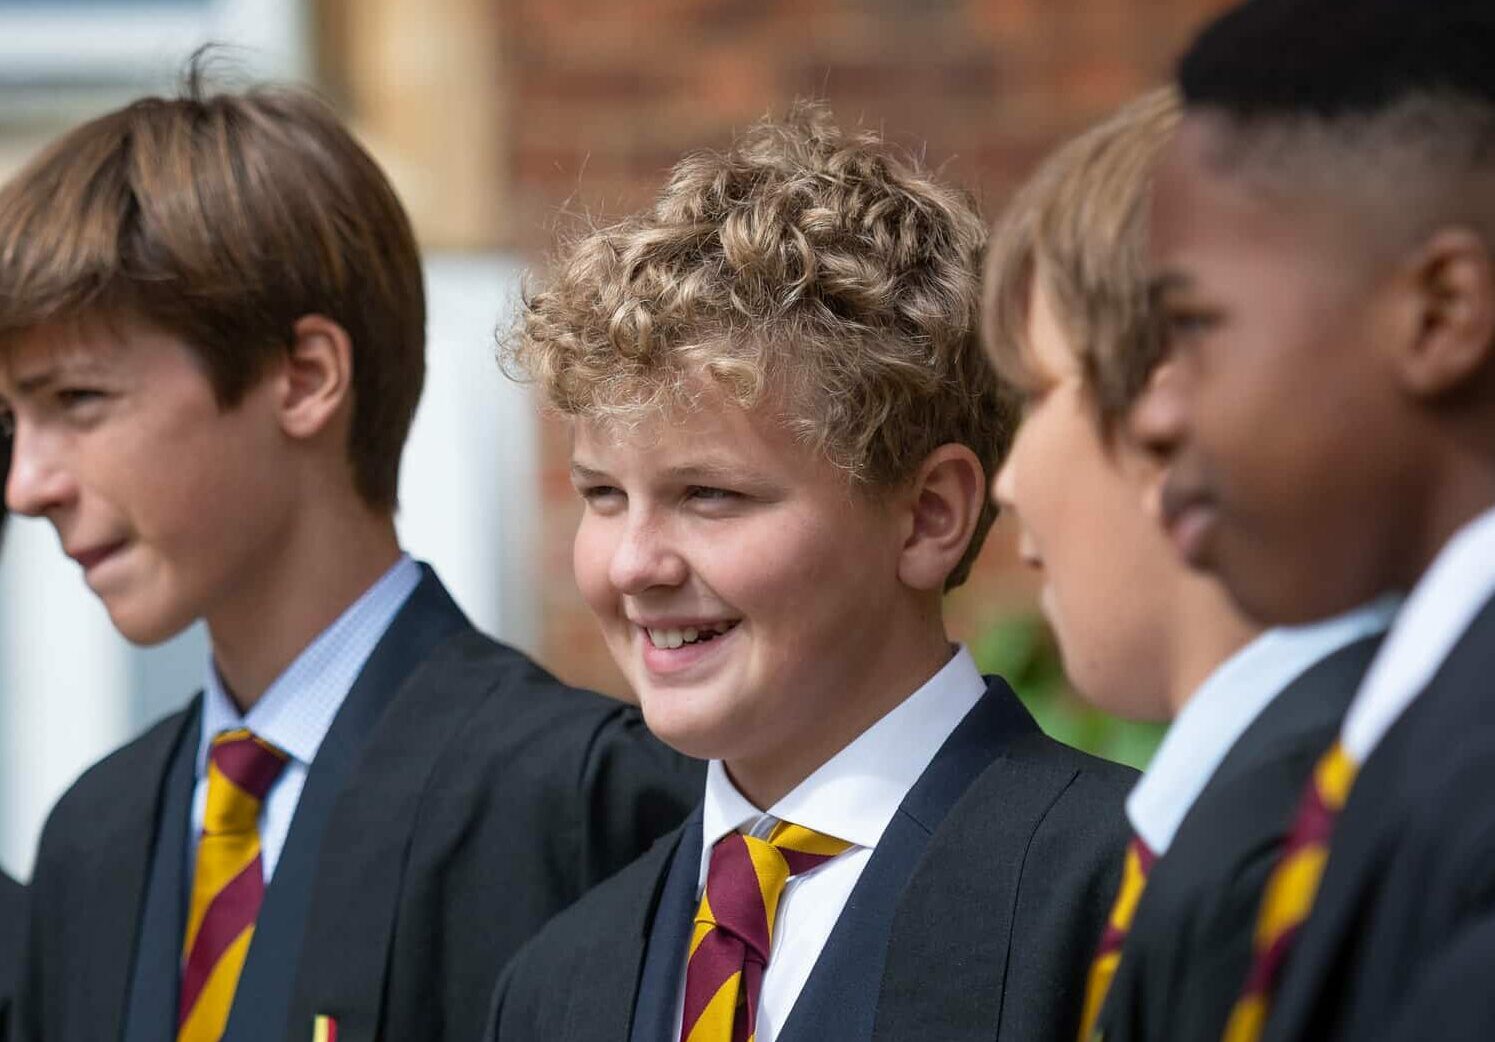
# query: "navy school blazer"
{"type": "Point", "coordinates": [975, 919]}
{"type": "Point", "coordinates": [461, 798]}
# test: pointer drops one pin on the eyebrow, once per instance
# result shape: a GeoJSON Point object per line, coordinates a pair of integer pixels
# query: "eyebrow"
{"type": "Point", "coordinates": [1167, 282]}
{"type": "Point", "coordinates": [702, 473]}
{"type": "Point", "coordinates": [58, 371]}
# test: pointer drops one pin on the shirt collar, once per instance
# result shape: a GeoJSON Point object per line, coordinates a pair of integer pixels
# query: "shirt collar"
{"type": "Point", "coordinates": [296, 711]}
{"type": "Point", "coordinates": [1227, 703]}
{"type": "Point", "coordinates": [1441, 607]}
{"type": "Point", "coordinates": [854, 795]}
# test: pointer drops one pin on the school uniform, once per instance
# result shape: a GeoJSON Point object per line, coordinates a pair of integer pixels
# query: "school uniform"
{"type": "Point", "coordinates": [1405, 903]}
{"type": "Point", "coordinates": [439, 796]}
{"type": "Point", "coordinates": [1214, 807]}
{"type": "Point", "coordinates": [981, 858]}
{"type": "Point", "coordinates": [12, 934]}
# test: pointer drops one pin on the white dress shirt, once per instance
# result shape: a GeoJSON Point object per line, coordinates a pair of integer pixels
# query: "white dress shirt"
{"type": "Point", "coordinates": [297, 710]}
{"type": "Point", "coordinates": [1441, 607]}
{"type": "Point", "coordinates": [853, 796]}
{"type": "Point", "coordinates": [1225, 705]}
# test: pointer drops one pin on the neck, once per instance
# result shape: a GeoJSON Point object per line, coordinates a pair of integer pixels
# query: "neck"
{"type": "Point", "coordinates": [1456, 494]}
{"type": "Point", "coordinates": [1207, 630]}
{"type": "Point", "coordinates": [326, 563]}
{"type": "Point", "coordinates": [890, 666]}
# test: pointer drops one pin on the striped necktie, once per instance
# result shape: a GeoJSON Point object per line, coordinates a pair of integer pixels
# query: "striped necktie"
{"type": "Point", "coordinates": [228, 883]}
{"type": "Point", "coordinates": [1290, 891]}
{"type": "Point", "coordinates": [734, 927]}
{"type": "Point", "coordinates": [1134, 872]}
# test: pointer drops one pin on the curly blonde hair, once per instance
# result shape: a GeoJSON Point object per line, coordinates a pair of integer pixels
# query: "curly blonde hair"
{"type": "Point", "coordinates": [813, 264]}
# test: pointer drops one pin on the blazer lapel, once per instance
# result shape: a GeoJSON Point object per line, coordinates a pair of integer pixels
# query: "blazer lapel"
{"type": "Point", "coordinates": [646, 979]}
{"type": "Point", "coordinates": [151, 1007]}
{"type": "Point", "coordinates": [834, 1002]}
{"type": "Point", "coordinates": [957, 911]}
{"type": "Point", "coordinates": [364, 825]}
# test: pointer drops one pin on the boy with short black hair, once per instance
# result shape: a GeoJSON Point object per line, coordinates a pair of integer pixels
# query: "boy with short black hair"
{"type": "Point", "coordinates": [1069, 324]}
{"type": "Point", "coordinates": [212, 332]}
{"type": "Point", "coordinates": [1324, 249]}
{"type": "Point", "coordinates": [783, 429]}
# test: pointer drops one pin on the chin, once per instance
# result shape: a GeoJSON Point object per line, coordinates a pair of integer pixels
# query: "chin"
{"type": "Point", "coordinates": [147, 628]}
{"type": "Point", "coordinates": [690, 725]}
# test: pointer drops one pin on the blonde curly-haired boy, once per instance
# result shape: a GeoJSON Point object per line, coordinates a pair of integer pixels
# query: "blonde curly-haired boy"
{"type": "Point", "coordinates": [783, 430]}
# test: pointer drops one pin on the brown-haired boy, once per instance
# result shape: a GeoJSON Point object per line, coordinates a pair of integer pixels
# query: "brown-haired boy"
{"type": "Point", "coordinates": [783, 430]}
{"type": "Point", "coordinates": [12, 894]}
{"type": "Point", "coordinates": [1069, 323]}
{"type": "Point", "coordinates": [211, 347]}
{"type": "Point", "coordinates": [1323, 237]}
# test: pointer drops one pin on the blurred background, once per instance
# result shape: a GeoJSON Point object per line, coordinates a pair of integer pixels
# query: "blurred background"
{"type": "Point", "coordinates": [502, 123]}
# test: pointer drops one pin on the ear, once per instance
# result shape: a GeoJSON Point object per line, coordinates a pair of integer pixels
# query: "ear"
{"type": "Point", "coordinates": [1454, 288]}
{"type": "Point", "coordinates": [318, 377]}
{"type": "Point", "coordinates": [945, 500]}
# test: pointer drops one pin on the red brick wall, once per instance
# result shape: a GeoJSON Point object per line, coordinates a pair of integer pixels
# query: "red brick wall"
{"type": "Point", "coordinates": [606, 94]}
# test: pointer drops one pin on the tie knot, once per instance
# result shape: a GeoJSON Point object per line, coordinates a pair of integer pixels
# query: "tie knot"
{"type": "Point", "coordinates": [241, 770]}
{"type": "Point", "coordinates": [747, 877]}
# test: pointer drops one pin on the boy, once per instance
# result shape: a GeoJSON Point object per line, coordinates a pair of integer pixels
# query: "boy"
{"type": "Point", "coordinates": [211, 347]}
{"type": "Point", "coordinates": [783, 425]}
{"type": "Point", "coordinates": [1068, 324]}
{"type": "Point", "coordinates": [1324, 241]}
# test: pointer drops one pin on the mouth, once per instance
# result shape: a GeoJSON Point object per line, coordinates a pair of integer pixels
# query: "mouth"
{"type": "Point", "coordinates": [671, 646]}
{"type": "Point", "coordinates": [92, 557]}
{"type": "Point", "coordinates": [1189, 517]}
{"type": "Point", "coordinates": [670, 638]}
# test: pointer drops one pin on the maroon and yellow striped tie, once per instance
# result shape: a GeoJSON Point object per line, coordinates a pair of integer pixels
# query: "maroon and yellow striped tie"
{"type": "Point", "coordinates": [228, 883]}
{"type": "Point", "coordinates": [1134, 872]}
{"type": "Point", "coordinates": [1290, 891]}
{"type": "Point", "coordinates": [734, 927]}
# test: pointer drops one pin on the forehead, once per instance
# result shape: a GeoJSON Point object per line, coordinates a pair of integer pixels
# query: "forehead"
{"type": "Point", "coordinates": [56, 350]}
{"type": "Point", "coordinates": [1214, 199]}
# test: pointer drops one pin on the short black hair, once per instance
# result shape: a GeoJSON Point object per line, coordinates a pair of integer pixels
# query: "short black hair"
{"type": "Point", "coordinates": [1336, 58]}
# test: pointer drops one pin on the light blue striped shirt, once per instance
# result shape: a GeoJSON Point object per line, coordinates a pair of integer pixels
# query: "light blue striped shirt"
{"type": "Point", "coordinates": [297, 710]}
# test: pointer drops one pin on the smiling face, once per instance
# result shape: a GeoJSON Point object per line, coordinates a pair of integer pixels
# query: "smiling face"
{"type": "Point", "coordinates": [1291, 458]}
{"type": "Point", "coordinates": [167, 502]}
{"type": "Point", "coordinates": [749, 593]}
{"type": "Point", "coordinates": [1109, 576]}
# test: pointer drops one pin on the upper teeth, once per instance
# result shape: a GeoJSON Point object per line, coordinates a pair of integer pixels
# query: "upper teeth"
{"type": "Point", "coordinates": [674, 638]}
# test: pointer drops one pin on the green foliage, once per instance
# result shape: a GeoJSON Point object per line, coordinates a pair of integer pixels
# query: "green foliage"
{"type": "Point", "coordinates": [1022, 649]}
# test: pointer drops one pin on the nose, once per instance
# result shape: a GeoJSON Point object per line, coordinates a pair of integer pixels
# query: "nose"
{"type": "Point", "coordinates": [37, 483]}
{"type": "Point", "coordinates": [646, 558]}
{"type": "Point", "coordinates": [1159, 421]}
{"type": "Point", "coordinates": [1003, 486]}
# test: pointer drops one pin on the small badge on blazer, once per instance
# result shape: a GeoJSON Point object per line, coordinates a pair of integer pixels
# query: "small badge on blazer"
{"type": "Point", "coordinates": [324, 1029]}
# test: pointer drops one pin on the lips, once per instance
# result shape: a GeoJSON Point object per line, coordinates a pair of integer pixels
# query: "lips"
{"type": "Point", "coordinates": [666, 651]}
{"type": "Point", "coordinates": [91, 557]}
{"type": "Point", "coordinates": [1189, 517]}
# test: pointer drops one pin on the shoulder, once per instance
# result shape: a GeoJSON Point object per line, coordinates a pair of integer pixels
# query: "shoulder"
{"type": "Point", "coordinates": [514, 711]}
{"type": "Point", "coordinates": [117, 782]}
{"type": "Point", "coordinates": [605, 930]}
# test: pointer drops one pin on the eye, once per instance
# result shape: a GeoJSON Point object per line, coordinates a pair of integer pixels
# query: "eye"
{"type": "Point", "coordinates": [79, 401]}
{"type": "Point", "coordinates": [602, 499]}
{"type": "Point", "coordinates": [1182, 323]}
{"type": "Point", "coordinates": [711, 494]}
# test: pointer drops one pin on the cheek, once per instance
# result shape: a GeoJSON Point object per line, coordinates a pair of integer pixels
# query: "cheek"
{"type": "Point", "coordinates": [591, 553]}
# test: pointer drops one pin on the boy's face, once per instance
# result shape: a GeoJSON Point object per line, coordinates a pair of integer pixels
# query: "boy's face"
{"type": "Point", "coordinates": [1107, 570]}
{"type": "Point", "coordinates": [718, 528]}
{"type": "Point", "coordinates": [1275, 411]}
{"type": "Point", "coordinates": [169, 504]}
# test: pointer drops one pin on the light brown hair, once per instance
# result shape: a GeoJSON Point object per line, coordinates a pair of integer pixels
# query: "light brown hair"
{"type": "Point", "coordinates": [805, 262]}
{"type": "Point", "coordinates": [1077, 229]}
{"type": "Point", "coordinates": [222, 219]}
